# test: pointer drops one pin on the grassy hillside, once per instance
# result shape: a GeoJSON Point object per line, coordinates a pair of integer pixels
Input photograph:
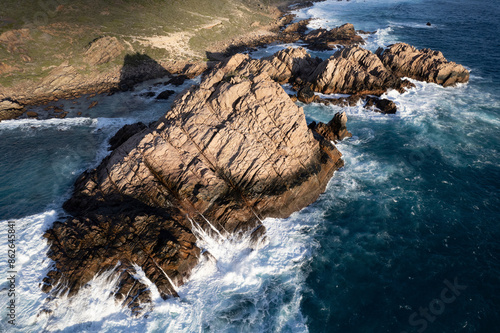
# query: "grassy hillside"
{"type": "Point", "coordinates": [36, 36]}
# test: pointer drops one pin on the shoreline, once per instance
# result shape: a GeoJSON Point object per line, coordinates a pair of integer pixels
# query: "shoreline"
{"type": "Point", "coordinates": [65, 81]}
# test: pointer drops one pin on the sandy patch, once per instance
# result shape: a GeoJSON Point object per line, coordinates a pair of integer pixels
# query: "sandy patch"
{"type": "Point", "coordinates": [176, 43]}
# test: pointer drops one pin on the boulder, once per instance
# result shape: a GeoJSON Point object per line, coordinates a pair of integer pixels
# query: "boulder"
{"type": "Point", "coordinates": [425, 65]}
{"type": "Point", "coordinates": [165, 94]}
{"type": "Point", "coordinates": [306, 95]}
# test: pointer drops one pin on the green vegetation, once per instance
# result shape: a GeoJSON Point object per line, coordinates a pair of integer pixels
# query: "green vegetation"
{"type": "Point", "coordinates": [55, 31]}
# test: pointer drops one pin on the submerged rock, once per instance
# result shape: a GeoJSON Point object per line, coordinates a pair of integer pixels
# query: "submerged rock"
{"type": "Point", "coordinates": [229, 153]}
{"type": "Point", "coordinates": [165, 94]}
{"type": "Point", "coordinates": [425, 65]}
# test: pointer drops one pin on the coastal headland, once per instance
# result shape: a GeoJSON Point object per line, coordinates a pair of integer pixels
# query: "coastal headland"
{"type": "Point", "coordinates": [230, 152]}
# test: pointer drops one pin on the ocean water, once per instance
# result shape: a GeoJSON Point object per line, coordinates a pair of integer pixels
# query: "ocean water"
{"type": "Point", "coordinates": [405, 238]}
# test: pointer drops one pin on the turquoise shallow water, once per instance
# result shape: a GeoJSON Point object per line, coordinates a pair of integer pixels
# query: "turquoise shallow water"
{"type": "Point", "coordinates": [415, 205]}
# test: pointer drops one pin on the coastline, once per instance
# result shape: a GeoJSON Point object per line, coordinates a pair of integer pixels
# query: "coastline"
{"type": "Point", "coordinates": [67, 82]}
{"type": "Point", "coordinates": [414, 205]}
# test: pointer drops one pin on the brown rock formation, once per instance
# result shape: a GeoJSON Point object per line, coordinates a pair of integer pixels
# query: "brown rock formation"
{"type": "Point", "coordinates": [322, 39]}
{"type": "Point", "coordinates": [10, 109]}
{"type": "Point", "coordinates": [335, 130]}
{"type": "Point", "coordinates": [353, 71]}
{"type": "Point", "coordinates": [424, 65]}
{"type": "Point", "coordinates": [283, 66]}
{"type": "Point", "coordinates": [231, 151]}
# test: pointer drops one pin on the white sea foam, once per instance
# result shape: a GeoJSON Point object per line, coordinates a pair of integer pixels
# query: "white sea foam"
{"type": "Point", "coordinates": [59, 124]}
{"type": "Point", "coordinates": [270, 277]}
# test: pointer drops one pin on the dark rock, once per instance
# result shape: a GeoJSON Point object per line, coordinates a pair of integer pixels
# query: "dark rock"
{"type": "Point", "coordinates": [147, 94]}
{"type": "Point", "coordinates": [32, 114]}
{"type": "Point", "coordinates": [125, 133]}
{"type": "Point", "coordinates": [178, 80]}
{"type": "Point", "coordinates": [381, 105]}
{"type": "Point", "coordinates": [93, 104]}
{"type": "Point", "coordinates": [306, 95]}
{"type": "Point", "coordinates": [322, 39]}
{"type": "Point", "coordinates": [429, 24]}
{"type": "Point", "coordinates": [165, 94]}
{"type": "Point", "coordinates": [335, 130]}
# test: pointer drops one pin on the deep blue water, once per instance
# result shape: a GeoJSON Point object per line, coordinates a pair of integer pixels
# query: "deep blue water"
{"type": "Point", "coordinates": [387, 245]}
{"type": "Point", "coordinates": [416, 205]}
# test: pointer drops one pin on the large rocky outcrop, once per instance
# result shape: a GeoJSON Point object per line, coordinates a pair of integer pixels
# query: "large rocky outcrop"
{"type": "Point", "coordinates": [230, 152]}
{"type": "Point", "coordinates": [424, 65]}
{"type": "Point", "coordinates": [353, 70]}
{"type": "Point", "coordinates": [283, 66]}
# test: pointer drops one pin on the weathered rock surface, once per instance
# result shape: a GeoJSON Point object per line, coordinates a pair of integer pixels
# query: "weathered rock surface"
{"type": "Point", "coordinates": [424, 65]}
{"type": "Point", "coordinates": [335, 130]}
{"type": "Point", "coordinates": [230, 152]}
{"type": "Point", "coordinates": [10, 109]}
{"type": "Point", "coordinates": [322, 39]}
{"type": "Point", "coordinates": [283, 66]}
{"type": "Point", "coordinates": [353, 71]}
{"type": "Point", "coordinates": [103, 50]}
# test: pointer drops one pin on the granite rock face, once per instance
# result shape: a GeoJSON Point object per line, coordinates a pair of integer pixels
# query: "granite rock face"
{"type": "Point", "coordinates": [353, 70]}
{"type": "Point", "coordinates": [284, 66]}
{"type": "Point", "coordinates": [231, 151]}
{"type": "Point", "coordinates": [424, 65]}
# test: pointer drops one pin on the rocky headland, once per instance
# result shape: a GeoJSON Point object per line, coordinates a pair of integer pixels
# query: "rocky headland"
{"type": "Point", "coordinates": [230, 152]}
